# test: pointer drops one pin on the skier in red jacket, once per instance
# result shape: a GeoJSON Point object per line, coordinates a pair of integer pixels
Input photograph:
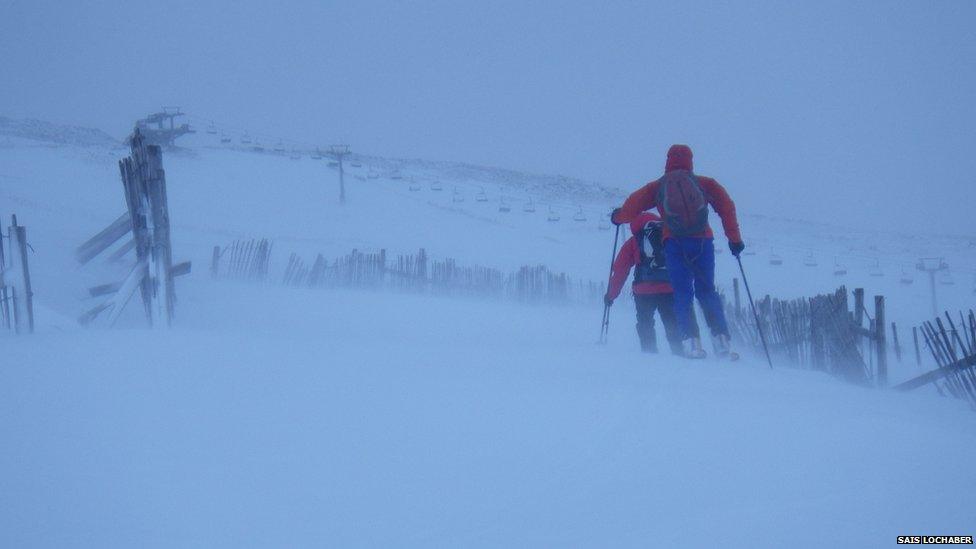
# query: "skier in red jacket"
{"type": "Point", "coordinates": [682, 198]}
{"type": "Point", "coordinates": [652, 287]}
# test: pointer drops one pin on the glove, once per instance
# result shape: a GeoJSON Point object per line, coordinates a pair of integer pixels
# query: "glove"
{"type": "Point", "coordinates": [614, 217]}
{"type": "Point", "coordinates": [607, 300]}
{"type": "Point", "coordinates": [736, 248]}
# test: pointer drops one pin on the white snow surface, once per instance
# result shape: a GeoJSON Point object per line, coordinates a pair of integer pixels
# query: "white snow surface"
{"type": "Point", "coordinates": [276, 417]}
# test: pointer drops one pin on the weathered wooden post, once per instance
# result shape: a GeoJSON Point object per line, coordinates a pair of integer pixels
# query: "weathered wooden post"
{"type": "Point", "coordinates": [859, 306]}
{"type": "Point", "coordinates": [215, 262]}
{"type": "Point", "coordinates": [23, 295]}
{"type": "Point", "coordinates": [894, 340]}
{"type": "Point", "coordinates": [144, 186]}
{"type": "Point", "coordinates": [422, 269]}
{"type": "Point", "coordinates": [880, 340]}
{"type": "Point", "coordinates": [4, 294]}
{"type": "Point", "coordinates": [918, 352]}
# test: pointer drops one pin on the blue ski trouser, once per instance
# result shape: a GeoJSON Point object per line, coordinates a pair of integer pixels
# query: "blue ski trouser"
{"type": "Point", "coordinates": [691, 264]}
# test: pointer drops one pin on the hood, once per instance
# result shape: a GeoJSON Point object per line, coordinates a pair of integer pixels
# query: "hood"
{"type": "Point", "coordinates": [637, 225]}
{"type": "Point", "coordinates": [679, 158]}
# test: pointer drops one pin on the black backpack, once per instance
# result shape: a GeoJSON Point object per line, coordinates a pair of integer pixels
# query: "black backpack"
{"type": "Point", "coordinates": [652, 266]}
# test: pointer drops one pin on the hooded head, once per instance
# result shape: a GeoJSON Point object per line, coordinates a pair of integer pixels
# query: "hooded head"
{"type": "Point", "coordinates": [642, 219]}
{"type": "Point", "coordinates": [679, 158]}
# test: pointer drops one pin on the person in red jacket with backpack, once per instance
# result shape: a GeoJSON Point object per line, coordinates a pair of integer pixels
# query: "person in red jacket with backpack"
{"type": "Point", "coordinates": [644, 251]}
{"type": "Point", "coordinates": [682, 199]}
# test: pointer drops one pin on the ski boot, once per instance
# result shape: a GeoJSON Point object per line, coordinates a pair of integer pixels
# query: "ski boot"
{"type": "Point", "coordinates": [692, 348]}
{"type": "Point", "coordinates": [723, 347]}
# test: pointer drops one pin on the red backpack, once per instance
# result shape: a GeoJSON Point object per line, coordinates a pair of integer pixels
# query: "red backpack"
{"type": "Point", "coordinates": [683, 203]}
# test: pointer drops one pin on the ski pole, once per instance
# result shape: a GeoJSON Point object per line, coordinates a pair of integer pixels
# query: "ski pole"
{"type": "Point", "coordinates": [605, 325]}
{"type": "Point", "coordinates": [755, 314]}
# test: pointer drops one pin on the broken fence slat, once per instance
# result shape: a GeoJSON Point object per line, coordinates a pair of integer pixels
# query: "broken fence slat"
{"type": "Point", "coordinates": [180, 269]}
{"type": "Point", "coordinates": [123, 249]}
{"type": "Point", "coordinates": [104, 289]}
{"type": "Point", "coordinates": [105, 238]}
{"type": "Point", "coordinates": [134, 281]}
{"type": "Point", "coordinates": [936, 374]}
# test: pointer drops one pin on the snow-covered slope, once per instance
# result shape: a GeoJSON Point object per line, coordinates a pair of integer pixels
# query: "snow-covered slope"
{"type": "Point", "coordinates": [283, 417]}
{"type": "Point", "coordinates": [218, 194]}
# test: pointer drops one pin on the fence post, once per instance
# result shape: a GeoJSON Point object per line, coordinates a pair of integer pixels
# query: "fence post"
{"type": "Point", "coordinates": [24, 299]}
{"type": "Point", "coordinates": [880, 339]}
{"type": "Point", "coordinates": [859, 306]}
{"type": "Point", "coordinates": [918, 352]}
{"type": "Point", "coordinates": [4, 307]}
{"type": "Point", "coordinates": [894, 341]}
{"type": "Point", "coordinates": [215, 262]}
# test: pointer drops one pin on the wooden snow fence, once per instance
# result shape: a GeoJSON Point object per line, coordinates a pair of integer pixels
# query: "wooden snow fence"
{"type": "Point", "coordinates": [16, 292]}
{"type": "Point", "coordinates": [406, 273]}
{"type": "Point", "coordinates": [152, 272]}
{"type": "Point", "coordinates": [409, 272]}
{"type": "Point", "coordinates": [242, 260]}
{"type": "Point", "coordinates": [449, 278]}
{"type": "Point", "coordinates": [819, 333]}
{"type": "Point", "coordinates": [539, 285]}
{"type": "Point", "coordinates": [953, 347]}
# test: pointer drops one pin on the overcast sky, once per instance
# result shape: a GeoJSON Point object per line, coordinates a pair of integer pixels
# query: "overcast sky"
{"type": "Point", "coordinates": [861, 112]}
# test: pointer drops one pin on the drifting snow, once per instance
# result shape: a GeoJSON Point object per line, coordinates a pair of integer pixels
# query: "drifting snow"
{"type": "Point", "coordinates": [276, 417]}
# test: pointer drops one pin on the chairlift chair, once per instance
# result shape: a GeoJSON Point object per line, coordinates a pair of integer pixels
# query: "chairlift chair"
{"type": "Point", "coordinates": [457, 197]}
{"type": "Point", "coordinates": [839, 270]}
{"type": "Point", "coordinates": [503, 207]}
{"type": "Point", "coordinates": [395, 175]}
{"type": "Point", "coordinates": [211, 129]}
{"type": "Point", "coordinates": [279, 148]}
{"type": "Point", "coordinates": [245, 139]}
{"type": "Point", "coordinates": [580, 217]}
{"type": "Point", "coordinates": [553, 216]}
{"type": "Point", "coordinates": [529, 207]}
{"type": "Point", "coordinates": [372, 175]}
{"type": "Point", "coordinates": [356, 165]}
{"type": "Point", "coordinates": [906, 278]}
{"type": "Point", "coordinates": [776, 260]}
{"type": "Point", "coordinates": [810, 261]}
{"type": "Point", "coordinates": [481, 196]}
{"type": "Point", "coordinates": [224, 139]}
{"type": "Point", "coordinates": [875, 270]}
{"type": "Point", "coordinates": [436, 186]}
{"type": "Point", "coordinates": [945, 279]}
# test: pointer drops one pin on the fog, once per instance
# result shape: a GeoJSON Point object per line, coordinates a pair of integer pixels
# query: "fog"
{"type": "Point", "coordinates": [857, 114]}
{"type": "Point", "coordinates": [296, 350]}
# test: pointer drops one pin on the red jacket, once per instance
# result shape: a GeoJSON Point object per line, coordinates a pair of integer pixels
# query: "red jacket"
{"type": "Point", "coordinates": [645, 198]}
{"type": "Point", "coordinates": [629, 256]}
